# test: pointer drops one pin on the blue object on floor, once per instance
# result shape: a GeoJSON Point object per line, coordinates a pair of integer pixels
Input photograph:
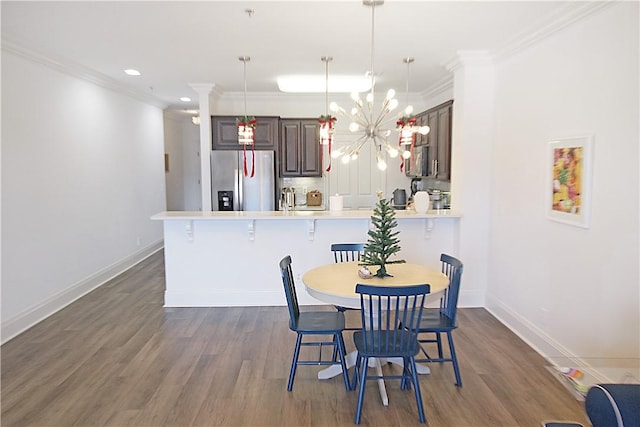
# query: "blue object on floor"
{"type": "Point", "coordinates": [613, 405]}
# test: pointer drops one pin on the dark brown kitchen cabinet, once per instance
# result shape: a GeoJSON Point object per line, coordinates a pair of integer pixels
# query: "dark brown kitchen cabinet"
{"type": "Point", "coordinates": [421, 120]}
{"type": "Point", "coordinates": [439, 141]}
{"type": "Point", "coordinates": [299, 149]}
{"type": "Point", "coordinates": [225, 133]}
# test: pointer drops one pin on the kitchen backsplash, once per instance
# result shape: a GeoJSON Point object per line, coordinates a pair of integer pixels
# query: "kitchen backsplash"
{"type": "Point", "coordinates": [432, 183]}
{"type": "Point", "coordinates": [302, 186]}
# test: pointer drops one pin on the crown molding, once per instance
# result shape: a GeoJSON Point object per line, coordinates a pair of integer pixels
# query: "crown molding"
{"type": "Point", "coordinates": [211, 89]}
{"type": "Point", "coordinates": [469, 57]}
{"type": "Point", "coordinates": [441, 86]}
{"type": "Point", "coordinates": [81, 72]}
{"type": "Point", "coordinates": [570, 14]}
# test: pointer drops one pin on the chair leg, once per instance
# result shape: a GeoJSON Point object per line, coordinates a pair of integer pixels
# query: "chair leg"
{"type": "Point", "coordinates": [363, 380]}
{"type": "Point", "coordinates": [294, 363]}
{"type": "Point", "coordinates": [454, 359]}
{"type": "Point", "coordinates": [343, 360]}
{"type": "Point", "coordinates": [416, 388]}
{"type": "Point", "coordinates": [356, 370]}
{"type": "Point", "coordinates": [405, 383]}
{"type": "Point", "coordinates": [439, 342]}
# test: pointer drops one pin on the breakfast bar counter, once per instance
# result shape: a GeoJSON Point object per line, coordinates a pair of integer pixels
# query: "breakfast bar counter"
{"type": "Point", "coordinates": [298, 214]}
{"type": "Point", "coordinates": [231, 258]}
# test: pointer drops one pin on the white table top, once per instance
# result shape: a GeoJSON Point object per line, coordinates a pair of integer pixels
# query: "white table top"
{"type": "Point", "coordinates": [336, 283]}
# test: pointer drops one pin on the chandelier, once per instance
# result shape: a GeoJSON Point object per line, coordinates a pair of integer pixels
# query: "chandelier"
{"type": "Point", "coordinates": [246, 125]}
{"type": "Point", "coordinates": [364, 121]}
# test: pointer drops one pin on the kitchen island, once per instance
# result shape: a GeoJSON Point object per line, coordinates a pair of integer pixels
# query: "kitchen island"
{"type": "Point", "coordinates": [231, 258]}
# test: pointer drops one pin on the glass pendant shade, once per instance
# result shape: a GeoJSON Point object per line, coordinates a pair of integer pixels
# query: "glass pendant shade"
{"type": "Point", "coordinates": [245, 134]}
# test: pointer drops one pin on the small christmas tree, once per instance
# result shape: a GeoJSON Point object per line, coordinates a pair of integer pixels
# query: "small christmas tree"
{"type": "Point", "coordinates": [382, 242]}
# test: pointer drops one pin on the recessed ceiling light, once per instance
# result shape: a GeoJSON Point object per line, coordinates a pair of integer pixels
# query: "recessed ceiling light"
{"type": "Point", "coordinates": [132, 72]}
{"type": "Point", "coordinates": [185, 99]}
{"type": "Point", "coordinates": [317, 84]}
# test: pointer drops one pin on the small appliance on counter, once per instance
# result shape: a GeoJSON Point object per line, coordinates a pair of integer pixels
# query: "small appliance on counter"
{"type": "Point", "coordinates": [314, 198]}
{"type": "Point", "coordinates": [439, 199]}
{"type": "Point", "coordinates": [399, 199]}
{"type": "Point", "coordinates": [417, 184]}
{"type": "Point", "coordinates": [288, 199]}
{"type": "Point", "coordinates": [446, 200]}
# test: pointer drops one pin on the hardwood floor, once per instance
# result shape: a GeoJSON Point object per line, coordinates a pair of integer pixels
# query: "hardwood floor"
{"type": "Point", "coordinates": [116, 357]}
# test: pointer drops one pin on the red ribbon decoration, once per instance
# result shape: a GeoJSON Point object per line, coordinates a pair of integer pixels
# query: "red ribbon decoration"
{"type": "Point", "coordinates": [329, 121]}
{"type": "Point", "coordinates": [252, 124]}
{"type": "Point", "coordinates": [253, 160]}
{"type": "Point", "coordinates": [400, 125]}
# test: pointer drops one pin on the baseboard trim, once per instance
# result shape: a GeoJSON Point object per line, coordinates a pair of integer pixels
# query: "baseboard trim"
{"type": "Point", "coordinates": [14, 326]}
{"type": "Point", "coordinates": [223, 298]}
{"type": "Point", "coordinates": [537, 339]}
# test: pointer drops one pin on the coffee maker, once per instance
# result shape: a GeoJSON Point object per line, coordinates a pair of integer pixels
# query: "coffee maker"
{"type": "Point", "coordinates": [417, 184]}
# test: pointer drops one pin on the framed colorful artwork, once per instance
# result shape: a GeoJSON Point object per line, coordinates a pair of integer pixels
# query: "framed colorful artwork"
{"type": "Point", "coordinates": [568, 198]}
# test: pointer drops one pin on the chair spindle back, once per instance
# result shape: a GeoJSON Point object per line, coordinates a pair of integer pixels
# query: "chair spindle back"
{"type": "Point", "coordinates": [383, 310]}
{"type": "Point", "coordinates": [290, 290]}
{"type": "Point", "coordinates": [345, 252]}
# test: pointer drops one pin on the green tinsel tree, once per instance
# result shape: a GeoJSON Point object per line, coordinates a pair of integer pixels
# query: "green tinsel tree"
{"type": "Point", "coordinates": [382, 242]}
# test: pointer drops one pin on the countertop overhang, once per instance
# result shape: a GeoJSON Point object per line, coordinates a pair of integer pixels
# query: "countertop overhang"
{"type": "Point", "coordinates": [297, 215]}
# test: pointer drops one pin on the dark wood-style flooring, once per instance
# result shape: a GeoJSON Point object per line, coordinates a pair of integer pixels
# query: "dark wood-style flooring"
{"type": "Point", "coordinates": [116, 357]}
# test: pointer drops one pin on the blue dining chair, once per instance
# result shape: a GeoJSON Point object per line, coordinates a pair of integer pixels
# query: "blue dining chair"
{"type": "Point", "coordinates": [315, 324]}
{"type": "Point", "coordinates": [438, 321]}
{"type": "Point", "coordinates": [347, 252]}
{"type": "Point", "coordinates": [383, 310]}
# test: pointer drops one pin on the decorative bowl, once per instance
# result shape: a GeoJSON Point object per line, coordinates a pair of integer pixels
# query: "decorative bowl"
{"type": "Point", "coordinates": [364, 273]}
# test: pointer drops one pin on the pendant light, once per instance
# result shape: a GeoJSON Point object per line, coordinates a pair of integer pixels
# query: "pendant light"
{"type": "Point", "coordinates": [406, 125]}
{"type": "Point", "coordinates": [326, 121]}
{"type": "Point", "coordinates": [246, 125]}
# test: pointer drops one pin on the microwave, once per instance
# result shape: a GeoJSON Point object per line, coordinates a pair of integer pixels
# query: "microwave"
{"type": "Point", "coordinates": [418, 163]}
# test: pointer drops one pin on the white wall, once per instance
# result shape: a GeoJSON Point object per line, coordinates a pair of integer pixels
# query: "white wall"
{"type": "Point", "coordinates": [571, 292]}
{"type": "Point", "coordinates": [82, 172]}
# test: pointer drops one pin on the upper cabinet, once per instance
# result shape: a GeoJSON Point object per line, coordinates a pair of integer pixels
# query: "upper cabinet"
{"type": "Point", "coordinates": [299, 149]}
{"type": "Point", "coordinates": [421, 120]}
{"type": "Point", "coordinates": [442, 165]}
{"type": "Point", "coordinates": [225, 133]}
{"type": "Point", "coordinates": [433, 150]}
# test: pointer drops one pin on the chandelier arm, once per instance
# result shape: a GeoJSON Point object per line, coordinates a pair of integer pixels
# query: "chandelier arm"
{"type": "Point", "coordinates": [357, 145]}
{"type": "Point", "coordinates": [360, 113]}
{"type": "Point", "coordinates": [381, 118]}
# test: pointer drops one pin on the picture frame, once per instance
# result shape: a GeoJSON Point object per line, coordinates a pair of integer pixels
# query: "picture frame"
{"type": "Point", "coordinates": [569, 178]}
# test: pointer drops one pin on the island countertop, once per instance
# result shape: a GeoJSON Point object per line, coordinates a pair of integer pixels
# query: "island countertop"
{"type": "Point", "coordinates": [231, 258]}
{"type": "Point", "coordinates": [300, 214]}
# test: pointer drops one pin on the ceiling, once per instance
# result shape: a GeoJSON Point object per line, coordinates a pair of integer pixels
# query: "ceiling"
{"type": "Point", "coordinates": [175, 43]}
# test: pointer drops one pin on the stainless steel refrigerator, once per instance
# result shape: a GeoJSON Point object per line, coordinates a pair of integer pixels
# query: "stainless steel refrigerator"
{"type": "Point", "coordinates": [232, 190]}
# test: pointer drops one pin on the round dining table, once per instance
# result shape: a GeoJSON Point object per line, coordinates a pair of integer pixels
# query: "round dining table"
{"type": "Point", "coordinates": [336, 284]}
